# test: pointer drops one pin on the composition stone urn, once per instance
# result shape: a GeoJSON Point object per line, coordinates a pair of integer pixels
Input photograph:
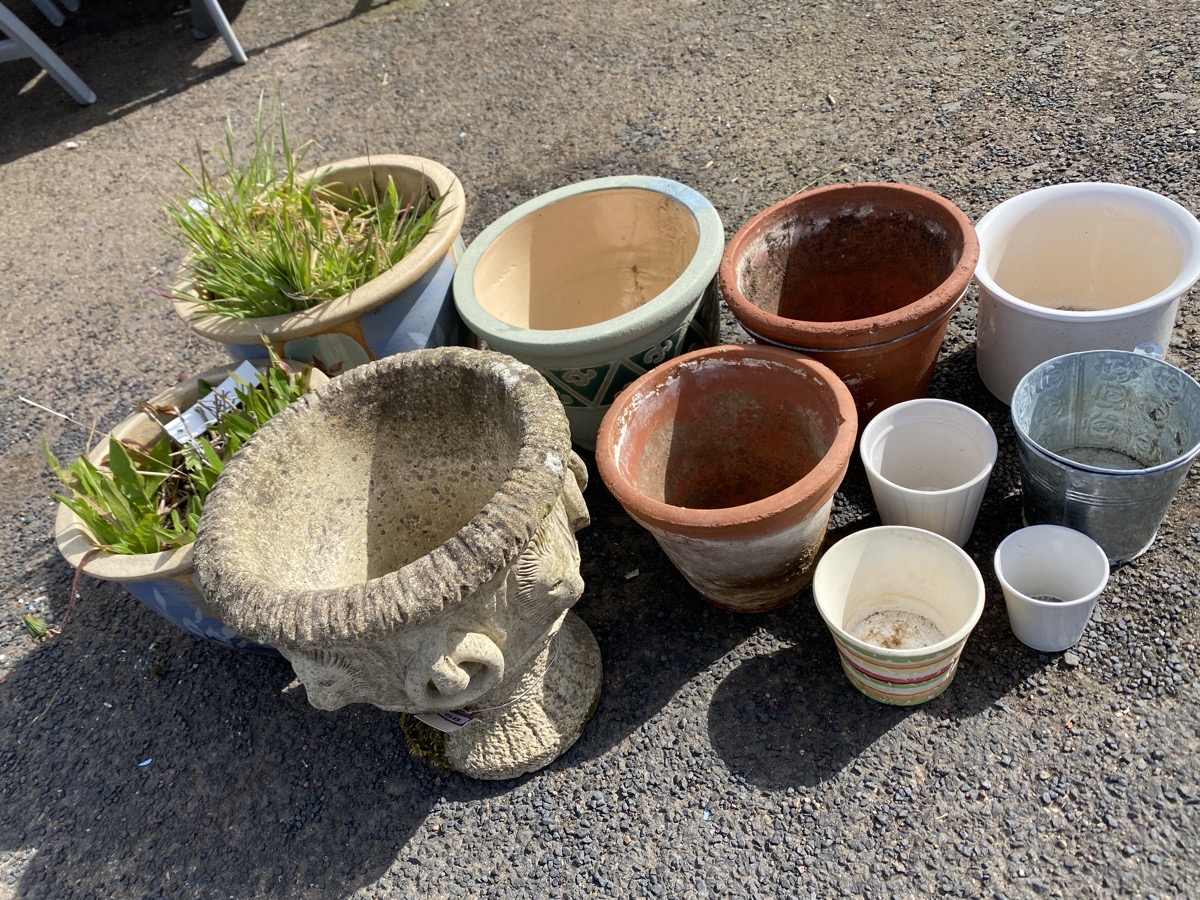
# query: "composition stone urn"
{"type": "Point", "coordinates": [405, 536]}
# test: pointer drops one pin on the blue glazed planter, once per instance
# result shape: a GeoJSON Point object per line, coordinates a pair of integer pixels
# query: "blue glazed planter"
{"type": "Point", "coordinates": [164, 581]}
{"type": "Point", "coordinates": [595, 284]}
{"type": "Point", "coordinates": [406, 308]}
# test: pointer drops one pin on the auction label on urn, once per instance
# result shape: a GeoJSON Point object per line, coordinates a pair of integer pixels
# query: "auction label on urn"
{"type": "Point", "coordinates": [449, 721]}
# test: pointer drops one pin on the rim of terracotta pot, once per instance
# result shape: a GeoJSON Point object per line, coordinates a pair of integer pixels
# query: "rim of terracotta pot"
{"type": "Point", "coordinates": [811, 491]}
{"type": "Point", "coordinates": [1182, 221]}
{"type": "Point", "coordinates": [483, 548]}
{"type": "Point", "coordinates": [675, 300]}
{"type": "Point", "coordinates": [72, 536]}
{"type": "Point", "coordinates": [330, 313]}
{"type": "Point", "coordinates": [807, 335]}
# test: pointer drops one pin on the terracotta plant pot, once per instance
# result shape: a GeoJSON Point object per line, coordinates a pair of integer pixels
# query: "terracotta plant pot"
{"type": "Point", "coordinates": [730, 457]}
{"type": "Point", "coordinates": [862, 277]}
{"type": "Point", "coordinates": [163, 581]}
{"type": "Point", "coordinates": [406, 308]}
{"type": "Point", "coordinates": [594, 284]}
{"type": "Point", "coordinates": [422, 556]}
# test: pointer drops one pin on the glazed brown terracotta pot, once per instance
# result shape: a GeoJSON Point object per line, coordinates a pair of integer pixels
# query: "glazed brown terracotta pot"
{"type": "Point", "coordinates": [862, 277]}
{"type": "Point", "coordinates": [730, 457]}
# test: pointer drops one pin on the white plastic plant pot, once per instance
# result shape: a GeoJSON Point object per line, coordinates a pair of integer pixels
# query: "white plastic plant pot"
{"type": "Point", "coordinates": [594, 284]}
{"type": "Point", "coordinates": [1051, 577]}
{"type": "Point", "coordinates": [900, 603]}
{"type": "Point", "coordinates": [1088, 266]}
{"type": "Point", "coordinates": [928, 463]}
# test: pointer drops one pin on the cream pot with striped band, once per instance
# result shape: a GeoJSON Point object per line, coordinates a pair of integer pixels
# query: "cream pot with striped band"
{"type": "Point", "coordinates": [900, 603]}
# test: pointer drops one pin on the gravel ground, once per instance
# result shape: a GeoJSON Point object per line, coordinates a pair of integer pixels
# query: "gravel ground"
{"type": "Point", "coordinates": [728, 756]}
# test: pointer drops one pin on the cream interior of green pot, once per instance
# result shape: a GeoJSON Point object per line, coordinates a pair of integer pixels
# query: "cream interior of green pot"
{"type": "Point", "coordinates": [586, 259]}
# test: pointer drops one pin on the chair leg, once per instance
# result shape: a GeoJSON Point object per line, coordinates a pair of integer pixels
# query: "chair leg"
{"type": "Point", "coordinates": [50, 11]}
{"type": "Point", "coordinates": [70, 5]}
{"type": "Point", "coordinates": [210, 15]}
{"type": "Point", "coordinates": [24, 43]}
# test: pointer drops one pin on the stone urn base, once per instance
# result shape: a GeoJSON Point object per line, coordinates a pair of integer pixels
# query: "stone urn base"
{"type": "Point", "coordinates": [545, 715]}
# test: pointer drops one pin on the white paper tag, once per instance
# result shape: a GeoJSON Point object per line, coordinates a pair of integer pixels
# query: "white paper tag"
{"type": "Point", "coordinates": [448, 721]}
{"type": "Point", "coordinates": [194, 421]}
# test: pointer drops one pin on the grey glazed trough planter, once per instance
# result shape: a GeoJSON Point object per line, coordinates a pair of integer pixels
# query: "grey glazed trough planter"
{"type": "Point", "coordinates": [594, 284]}
{"type": "Point", "coordinates": [405, 537]}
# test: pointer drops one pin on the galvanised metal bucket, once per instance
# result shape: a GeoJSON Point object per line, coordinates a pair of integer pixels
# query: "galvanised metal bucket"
{"type": "Point", "coordinates": [1105, 439]}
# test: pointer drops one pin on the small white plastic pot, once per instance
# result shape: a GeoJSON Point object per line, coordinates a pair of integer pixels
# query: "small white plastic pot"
{"type": "Point", "coordinates": [1088, 266]}
{"type": "Point", "coordinates": [1051, 577]}
{"type": "Point", "coordinates": [928, 462]}
{"type": "Point", "coordinates": [900, 603]}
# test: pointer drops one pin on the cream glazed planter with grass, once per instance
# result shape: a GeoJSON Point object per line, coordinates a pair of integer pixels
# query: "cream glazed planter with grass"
{"type": "Point", "coordinates": [163, 581]}
{"type": "Point", "coordinates": [406, 308]}
{"type": "Point", "coordinates": [595, 284]}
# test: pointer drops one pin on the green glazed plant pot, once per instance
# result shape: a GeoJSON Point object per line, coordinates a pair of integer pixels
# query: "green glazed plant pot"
{"type": "Point", "coordinates": [406, 308]}
{"type": "Point", "coordinates": [594, 284]}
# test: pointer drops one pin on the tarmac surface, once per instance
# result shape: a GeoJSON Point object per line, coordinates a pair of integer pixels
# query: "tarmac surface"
{"type": "Point", "coordinates": [729, 756]}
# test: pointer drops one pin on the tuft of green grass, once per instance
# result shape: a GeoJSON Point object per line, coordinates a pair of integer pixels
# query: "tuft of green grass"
{"type": "Point", "coordinates": [262, 241]}
{"type": "Point", "coordinates": [149, 499]}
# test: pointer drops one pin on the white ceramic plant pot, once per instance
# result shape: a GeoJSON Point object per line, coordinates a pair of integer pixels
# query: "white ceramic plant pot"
{"type": "Point", "coordinates": [928, 463]}
{"type": "Point", "coordinates": [1051, 577]}
{"type": "Point", "coordinates": [900, 603]}
{"type": "Point", "coordinates": [594, 284]}
{"type": "Point", "coordinates": [1072, 267]}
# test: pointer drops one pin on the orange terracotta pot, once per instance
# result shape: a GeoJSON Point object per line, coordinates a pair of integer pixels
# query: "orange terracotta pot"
{"type": "Point", "coordinates": [862, 277]}
{"type": "Point", "coordinates": [730, 456]}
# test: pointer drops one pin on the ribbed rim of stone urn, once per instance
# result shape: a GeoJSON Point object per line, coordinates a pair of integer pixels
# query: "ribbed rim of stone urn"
{"type": "Point", "coordinates": [476, 555]}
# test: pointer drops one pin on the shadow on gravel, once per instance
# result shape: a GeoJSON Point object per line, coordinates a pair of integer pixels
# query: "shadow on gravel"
{"type": "Point", "coordinates": [124, 717]}
{"type": "Point", "coordinates": [655, 632]}
{"type": "Point", "coordinates": [267, 794]}
{"type": "Point", "coordinates": [790, 718]}
{"type": "Point", "coordinates": [131, 53]}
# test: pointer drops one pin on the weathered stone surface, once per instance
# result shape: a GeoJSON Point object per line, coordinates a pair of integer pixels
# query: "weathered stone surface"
{"type": "Point", "coordinates": [405, 537]}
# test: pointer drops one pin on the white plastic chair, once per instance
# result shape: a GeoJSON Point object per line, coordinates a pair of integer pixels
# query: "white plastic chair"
{"type": "Point", "coordinates": [205, 16]}
{"type": "Point", "coordinates": [24, 44]}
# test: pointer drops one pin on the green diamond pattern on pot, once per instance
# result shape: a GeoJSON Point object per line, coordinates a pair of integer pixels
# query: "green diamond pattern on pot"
{"type": "Point", "coordinates": [693, 339]}
{"type": "Point", "coordinates": [582, 386]}
{"type": "Point", "coordinates": [660, 351]}
{"type": "Point", "coordinates": [596, 386]}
